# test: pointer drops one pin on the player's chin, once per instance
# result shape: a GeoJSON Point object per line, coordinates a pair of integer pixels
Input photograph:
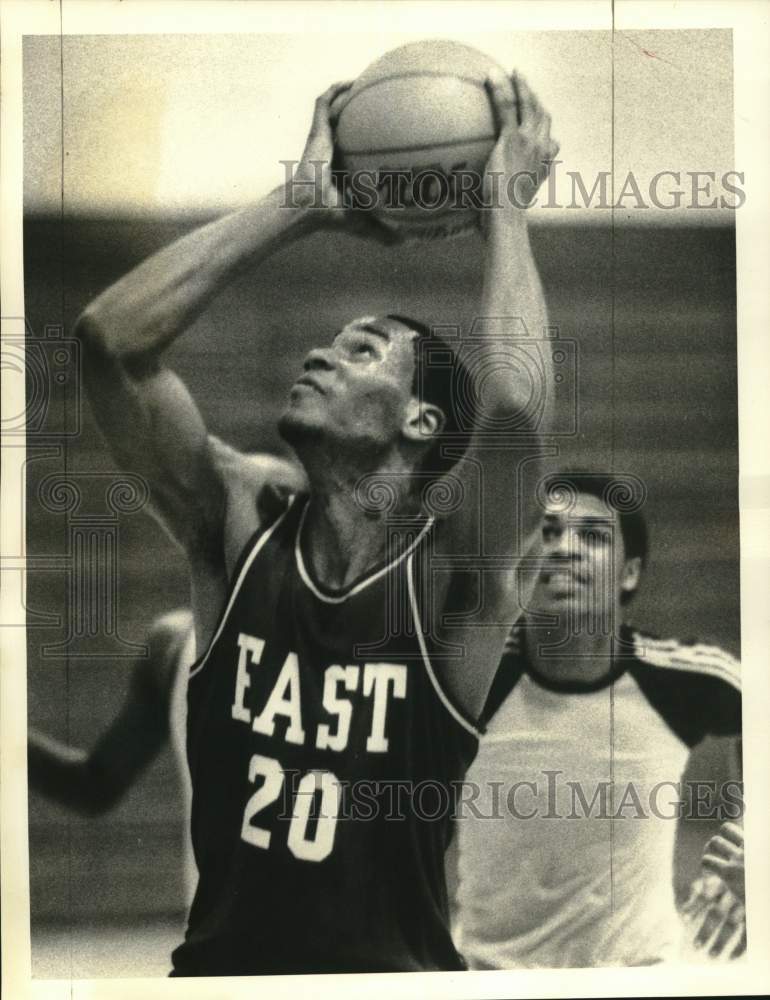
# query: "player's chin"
{"type": "Point", "coordinates": [555, 602]}
{"type": "Point", "coordinates": [299, 422]}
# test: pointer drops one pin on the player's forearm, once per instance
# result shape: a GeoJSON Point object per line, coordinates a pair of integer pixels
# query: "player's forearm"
{"type": "Point", "coordinates": [150, 306]}
{"type": "Point", "coordinates": [513, 309]}
{"type": "Point", "coordinates": [62, 773]}
{"type": "Point", "coordinates": [91, 783]}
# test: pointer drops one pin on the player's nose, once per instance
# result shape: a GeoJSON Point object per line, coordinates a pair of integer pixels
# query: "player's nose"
{"type": "Point", "coordinates": [564, 545]}
{"type": "Point", "coordinates": [319, 359]}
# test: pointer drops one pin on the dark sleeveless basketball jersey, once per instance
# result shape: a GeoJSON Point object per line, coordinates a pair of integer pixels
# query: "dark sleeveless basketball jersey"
{"type": "Point", "coordinates": [322, 752]}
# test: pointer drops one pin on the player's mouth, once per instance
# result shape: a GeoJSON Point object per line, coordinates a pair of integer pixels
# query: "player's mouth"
{"type": "Point", "coordinates": [307, 381]}
{"type": "Point", "coordinates": [561, 576]}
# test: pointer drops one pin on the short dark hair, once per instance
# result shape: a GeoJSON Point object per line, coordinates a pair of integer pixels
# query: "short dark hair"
{"type": "Point", "coordinates": [618, 493]}
{"type": "Point", "coordinates": [439, 384]}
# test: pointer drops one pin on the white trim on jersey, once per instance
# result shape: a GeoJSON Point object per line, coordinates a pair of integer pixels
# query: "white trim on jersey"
{"type": "Point", "coordinates": [697, 658]}
{"type": "Point", "coordinates": [339, 598]}
{"type": "Point", "coordinates": [426, 659]}
{"type": "Point", "coordinates": [234, 592]}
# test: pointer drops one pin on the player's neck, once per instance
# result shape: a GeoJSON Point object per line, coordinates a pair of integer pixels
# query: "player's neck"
{"type": "Point", "coordinates": [342, 539]}
{"type": "Point", "coordinates": [569, 655]}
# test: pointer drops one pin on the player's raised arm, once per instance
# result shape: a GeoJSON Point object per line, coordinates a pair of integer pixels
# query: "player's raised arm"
{"type": "Point", "coordinates": [512, 305]}
{"type": "Point", "coordinates": [150, 420]}
{"type": "Point", "coordinates": [513, 410]}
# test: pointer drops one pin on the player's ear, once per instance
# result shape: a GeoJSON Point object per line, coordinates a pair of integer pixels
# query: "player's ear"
{"type": "Point", "coordinates": [632, 574]}
{"type": "Point", "coordinates": [422, 421]}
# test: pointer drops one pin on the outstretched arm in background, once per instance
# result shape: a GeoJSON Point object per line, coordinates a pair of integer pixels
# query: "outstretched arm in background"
{"type": "Point", "coordinates": [93, 782]}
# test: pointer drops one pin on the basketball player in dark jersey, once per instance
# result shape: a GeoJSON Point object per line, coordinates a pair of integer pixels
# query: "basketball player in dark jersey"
{"type": "Point", "coordinates": [322, 690]}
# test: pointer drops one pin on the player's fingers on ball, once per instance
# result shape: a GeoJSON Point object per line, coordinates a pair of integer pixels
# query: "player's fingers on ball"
{"type": "Point", "coordinates": [338, 99]}
{"type": "Point", "coordinates": [334, 91]}
{"type": "Point", "coordinates": [527, 102]}
{"type": "Point", "coordinates": [323, 104]}
{"type": "Point", "coordinates": [537, 104]}
{"type": "Point", "coordinates": [548, 145]}
{"type": "Point", "coordinates": [733, 832]}
{"type": "Point", "coordinates": [503, 99]}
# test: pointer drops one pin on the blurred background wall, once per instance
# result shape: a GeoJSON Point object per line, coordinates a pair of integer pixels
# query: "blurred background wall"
{"type": "Point", "coordinates": [650, 307]}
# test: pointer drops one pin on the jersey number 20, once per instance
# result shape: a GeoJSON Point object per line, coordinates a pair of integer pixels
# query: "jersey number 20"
{"type": "Point", "coordinates": [301, 846]}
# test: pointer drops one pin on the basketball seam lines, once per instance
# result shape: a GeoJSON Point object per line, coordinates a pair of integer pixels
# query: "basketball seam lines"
{"type": "Point", "coordinates": [413, 75]}
{"type": "Point", "coordinates": [413, 149]}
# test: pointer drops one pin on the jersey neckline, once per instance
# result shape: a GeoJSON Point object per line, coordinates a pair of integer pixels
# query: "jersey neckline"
{"type": "Point", "coordinates": [338, 596]}
{"type": "Point", "coordinates": [615, 672]}
{"type": "Point", "coordinates": [619, 666]}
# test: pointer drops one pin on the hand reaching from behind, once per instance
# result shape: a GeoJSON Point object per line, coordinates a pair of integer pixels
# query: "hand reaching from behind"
{"type": "Point", "coordinates": [715, 912]}
{"type": "Point", "coordinates": [724, 857]}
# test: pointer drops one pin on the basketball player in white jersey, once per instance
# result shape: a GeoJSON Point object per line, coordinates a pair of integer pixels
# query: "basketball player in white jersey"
{"type": "Point", "coordinates": [566, 857]}
{"type": "Point", "coordinates": [321, 668]}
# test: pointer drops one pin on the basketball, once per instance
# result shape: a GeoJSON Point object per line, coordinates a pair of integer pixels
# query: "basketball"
{"type": "Point", "coordinates": [414, 135]}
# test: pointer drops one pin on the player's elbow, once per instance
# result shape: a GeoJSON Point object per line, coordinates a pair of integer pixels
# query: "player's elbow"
{"type": "Point", "coordinates": [519, 410]}
{"type": "Point", "coordinates": [90, 332]}
{"type": "Point", "coordinates": [166, 634]}
{"type": "Point", "coordinates": [101, 792]}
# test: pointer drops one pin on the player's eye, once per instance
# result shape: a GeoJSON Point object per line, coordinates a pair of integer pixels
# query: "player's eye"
{"type": "Point", "coordinates": [363, 349]}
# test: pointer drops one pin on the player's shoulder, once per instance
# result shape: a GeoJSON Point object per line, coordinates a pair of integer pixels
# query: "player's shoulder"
{"type": "Point", "coordinates": [255, 470]}
{"type": "Point", "coordinates": [685, 661]}
{"type": "Point", "coordinates": [507, 675]}
{"type": "Point", "coordinates": [694, 686]}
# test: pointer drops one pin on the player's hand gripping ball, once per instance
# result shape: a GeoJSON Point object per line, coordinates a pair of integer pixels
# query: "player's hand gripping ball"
{"type": "Point", "coordinates": [414, 134]}
{"type": "Point", "coordinates": [313, 186]}
{"type": "Point", "coordinates": [525, 150]}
